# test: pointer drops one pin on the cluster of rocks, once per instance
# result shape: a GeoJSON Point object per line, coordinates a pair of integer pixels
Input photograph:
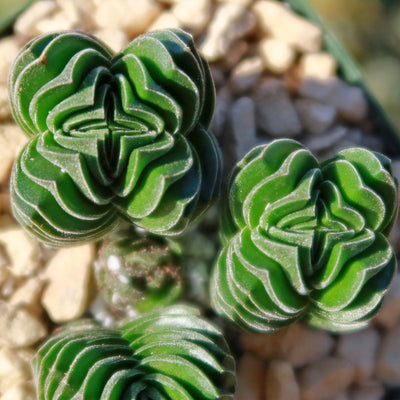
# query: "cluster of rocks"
{"type": "Point", "coordinates": [273, 79]}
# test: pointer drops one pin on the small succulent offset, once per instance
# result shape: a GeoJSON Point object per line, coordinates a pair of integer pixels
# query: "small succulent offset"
{"type": "Point", "coordinates": [112, 136]}
{"type": "Point", "coordinates": [138, 271]}
{"type": "Point", "coordinates": [173, 355]}
{"type": "Point", "coordinates": [303, 239]}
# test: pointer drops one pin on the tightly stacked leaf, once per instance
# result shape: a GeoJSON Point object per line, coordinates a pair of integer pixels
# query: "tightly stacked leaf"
{"type": "Point", "coordinates": [303, 239]}
{"type": "Point", "coordinates": [112, 136]}
{"type": "Point", "coordinates": [175, 355]}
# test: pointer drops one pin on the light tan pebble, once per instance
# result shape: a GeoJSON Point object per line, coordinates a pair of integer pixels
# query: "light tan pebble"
{"type": "Point", "coordinates": [315, 117]}
{"type": "Point", "coordinates": [315, 345]}
{"type": "Point", "coordinates": [387, 367]}
{"type": "Point", "coordinates": [360, 349]}
{"type": "Point", "coordinates": [229, 23]}
{"type": "Point", "coordinates": [389, 313]}
{"type": "Point", "coordinates": [22, 263]}
{"type": "Point", "coordinates": [28, 294]}
{"type": "Point", "coordinates": [281, 382]}
{"type": "Point", "coordinates": [320, 66]}
{"type": "Point", "coordinates": [165, 20]}
{"type": "Point", "coordinates": [284, 344]}
{"type": "Point", "coordinates": [11, 141]}
{"type": "Point", "coordinates": [243, 3]}
{"type": "Point", "coordinates": [321, 143]}
{"type": "Point", "coordinates": [275, 112]}
{"type": "Point", "coordinates": [325, 378]}
{"type": "Point", "coordinates": [276, 54]}
{"type": "Point", "coordinates": [369, 390]}
{"type": "Point", "coordinates": [282, 23]}
{"type": "Point", "coordinates": [132, 16]}
{"type": "Point", "coordinates": [115, 39]}
{"type": "Point", "coordinates": [349, 100]}
{"type": "Point", "coordinates": [192, 15]}
{"type": "Point", "coordinates": [13, 370]}
{"type": "Point", "coordinates": [245, 74]}
{"type": "Point", "coordinates": [243, 125]}
{"type": "Point", "coordinates": [5, 109]}
{"type": "Point", "coordinates": [9, 48]}
{"type": "Point", "coordinates": [22, 391]}
{"type": "Point", "coordinates": [250, 378]}
{"type": "Point", "coordinates": [81, 12]}
{"type": "Point", "coordinates": [18, 327]}
{"type": "Point", "coordinates": [26, 23]}
{"type": "Point", "coordinates": [69, 277]}
{"type": "Point", "coordinates": [58, 21]}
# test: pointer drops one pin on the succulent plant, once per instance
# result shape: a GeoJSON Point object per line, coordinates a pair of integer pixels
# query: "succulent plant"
{"type": "Point", "coordinates": [135, 270]}
{"type": "Point", "coordinates": [112, 136]}
{"type": "Point", "coordinates": [174, 354]}
{"type": "Point", "coordinates": [303, 239]}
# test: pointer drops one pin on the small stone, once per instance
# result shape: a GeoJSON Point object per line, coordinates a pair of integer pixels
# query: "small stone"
{"type": "Point", "coordinates": [250, 378]}
{"type": "Point", "coordinates": [282, 23]}
{"type": "Point", "coordinates": [165, 20]}
{"type": "Point", "coordinates": [9, 48]}
{"type": "Point", "coordinates": [19, 328]}
{"type": "Point", "coordinates": [369, 390]}
{"type": "Point", "coordinates": [22, 391]}
{"type": "Point", "coordinates": [284, 344]}
{"type": "Point", "coordinates": [4, 203]}
{"type": "Point", "coordinates": [315, 117]}
{"type": "Point", "coordinates": [360, 349]}
{"type": "Point", "coordinates": [341, 396]}
{"type": "Point", "coordinates": [325, 379]}
{"type": "Point", "coordinates": [243, 3]}
{"type": "Point", "coordinates": [349, 100]}
{"type": "Point", "coordinates": [5, 110]}
{"type": "Point", "coordinates": [243, 125]}
{"type": "Point", "coordinates": [11, 141]}
{"type": "Point", "coordinates": [81, 12]}
{"type": "Point", "coordinates": [192, 15]}
{"type": "Point", "coordinates": [115, 39]}
{"type": "Point", "coordinates": [237, 51]}
{"type": "Point", "coordinates": [275, 111]}
{"type": "Point", "coordinates": [229, 23]}
{"type": "Point", "coordinates": [245, 74]}
{"type": "Point", "coordinates": [319, 66]}
{"type": "Point", "coordinates": [39, 10]}
{"type": "Point", "coordinates": [28, 294]}
{"type": "Point", "coordinates": [58, 21]}
{"type": "Point", "coordinates": [12, 369]}
{"type": "Point", "coordinates": [222, 106]}
{"type": "Point", "coordinates": [387, 367]}
{"type": "Point", "coordinates": [22, 263]}
{"type": "Point", "coordinates": [69, 280]}
{"type": "Point", "coordinates": [281, 382]}
{"type": "Point", "coordinates": [276, 54]}
{"type": "Point", "coordinates": [131, 16]}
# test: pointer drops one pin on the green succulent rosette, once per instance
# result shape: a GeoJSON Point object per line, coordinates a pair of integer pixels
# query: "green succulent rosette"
{"type": "Point", "coordinates": [304, 239]}
{"type": "Point", "coordinates": [112, 136]}
{"type": "Point", "coordinates": [171, 355]}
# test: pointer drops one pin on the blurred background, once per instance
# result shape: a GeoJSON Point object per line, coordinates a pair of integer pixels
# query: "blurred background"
{"type": "Point", "coordinates": [370, 31]}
